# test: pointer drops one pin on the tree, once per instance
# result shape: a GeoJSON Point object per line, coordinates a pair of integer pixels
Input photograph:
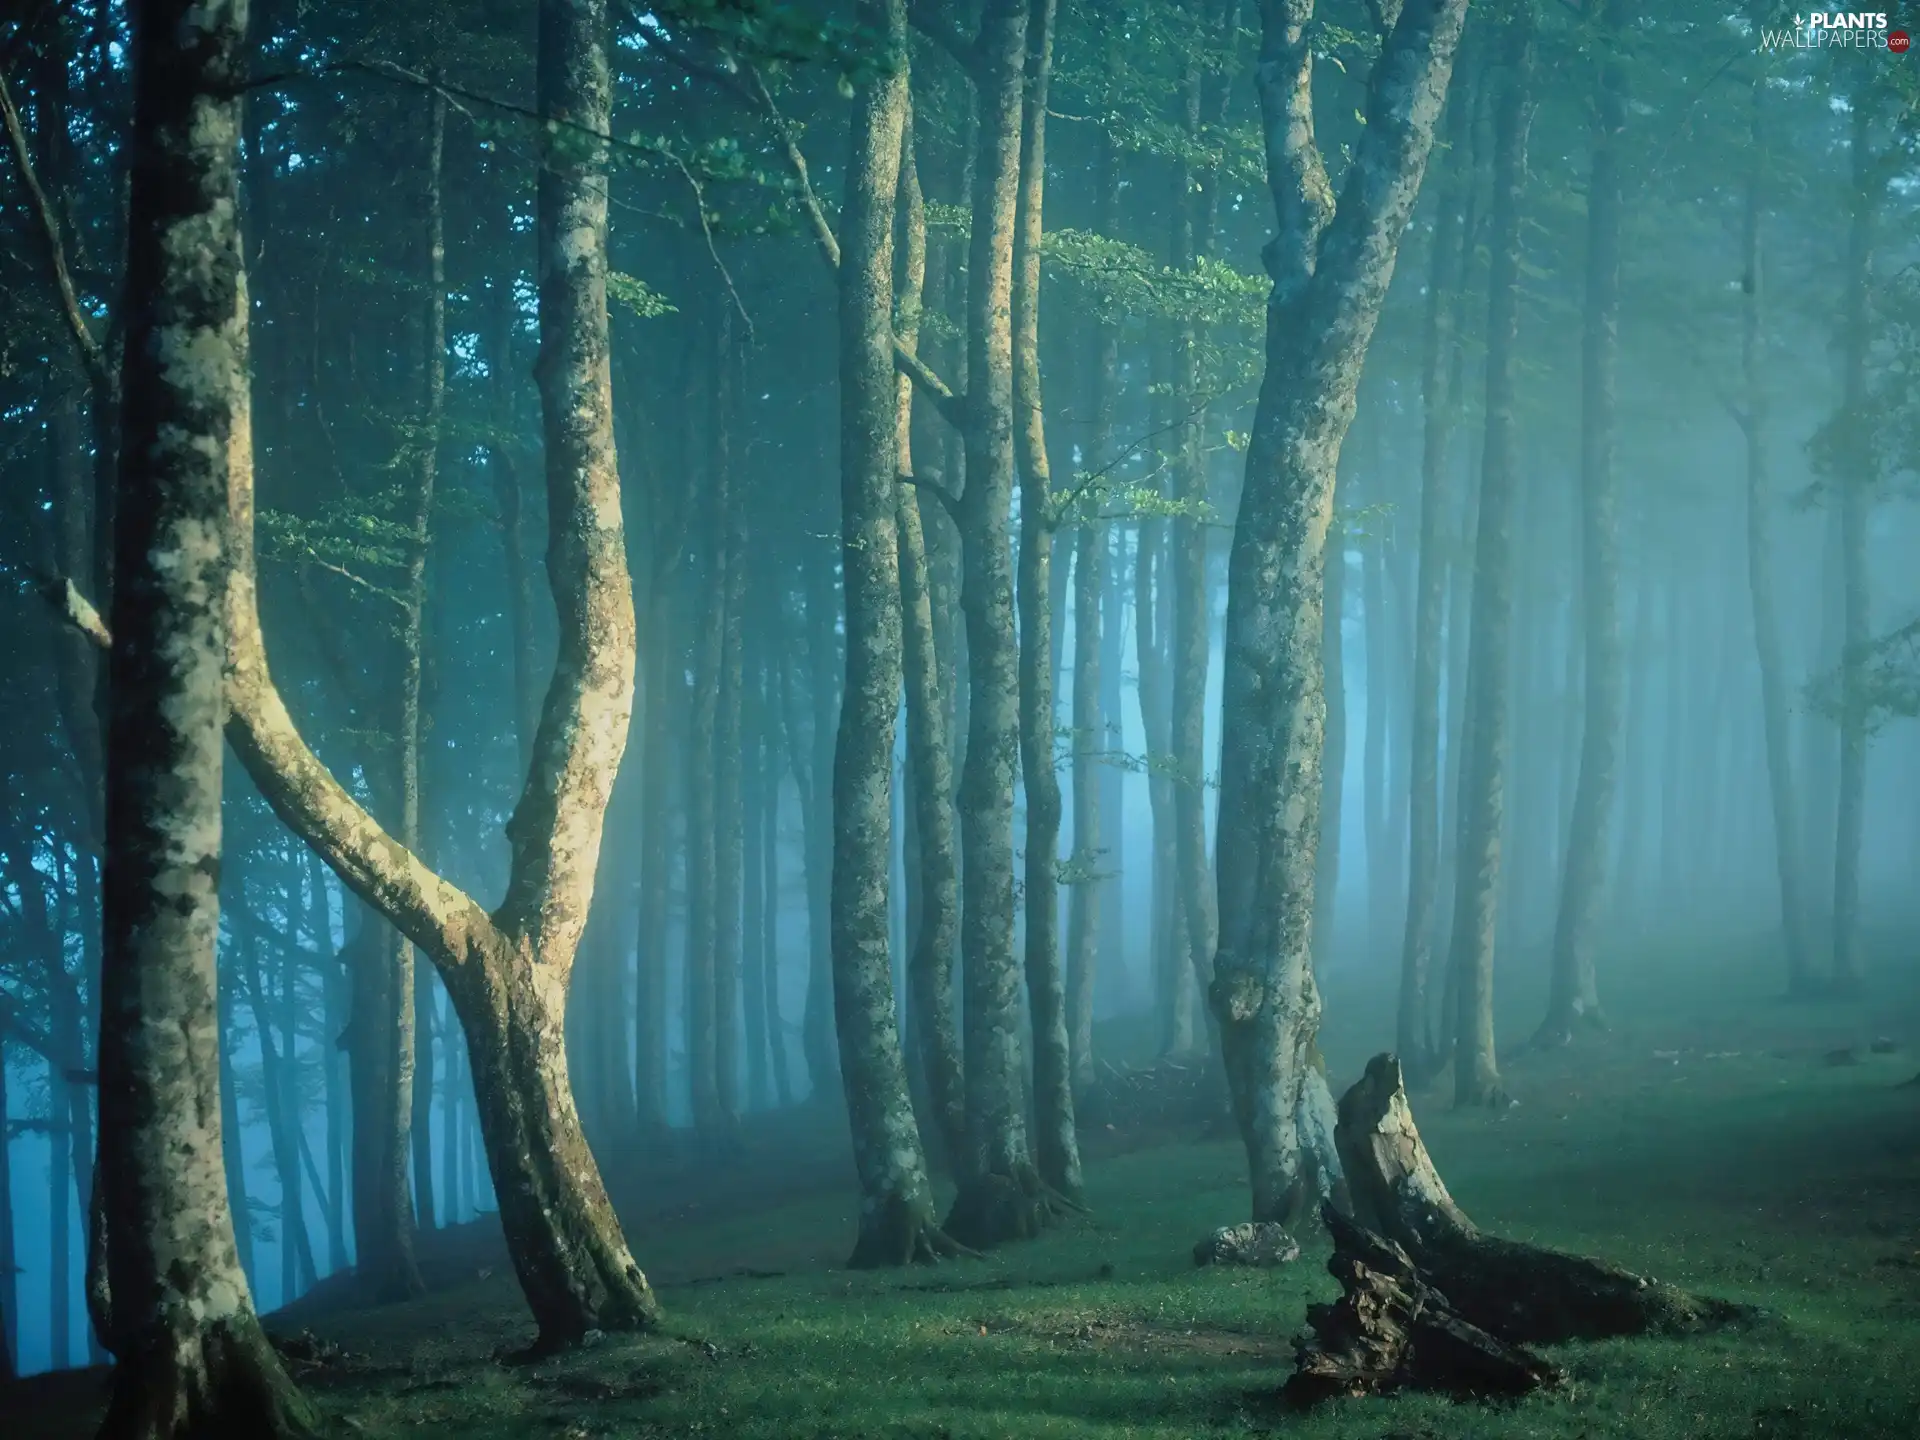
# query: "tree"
{"type": "Point", "coordinates": [1330, 268]}
{"type": "Point", "coordinates": [1484, 739]}
{"type": "Point", "coordinates": [1574, 1000]}
{"type": "Point", "coordinates": [193, 1359]}
{"type": "Point", "coordinates": [507, 971]}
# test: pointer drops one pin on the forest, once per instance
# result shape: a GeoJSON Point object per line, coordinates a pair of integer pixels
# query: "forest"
{"type": "Point", "coordinates": [959, 718]}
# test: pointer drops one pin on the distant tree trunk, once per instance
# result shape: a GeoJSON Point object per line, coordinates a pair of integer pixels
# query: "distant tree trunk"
{"type": "Point", "coordinates": [1056, 1147]}
{"type": "Point", "coordinates": [1114, 931]}
{"type": "Point", "coordinates": [192, 1358]}
{"type": "Point", "coordinates": [768, 857]}
{"type": "Point", "coordinates": [1855, 482]}
{"type": "Point", "coordinates": [934, 943]}
{"type": "Point", "coordinates": [1333, 763]}
{"type": "Point", "coordinates": [753, 895]}
{"type": "Point", "coordinates": [333, 985]}
{"type": "Point", "coordinates": [816, 1036]}
{"type": "Point", "coordinates": [897, 1224]}
{"type": "Point", "coordinates": [1000, 1195]}
{"type": "Point", "coordinates": [663, 692]}
{"type": "Point", "coordinates": [503, 319]}
{"type": "Point", "coordinates": [729, 844]}
{"type": "Point", "coordinates": [1575, 999]}
{"type": "Point", "coordinates": [1376, 642]}
{"type": "Point", "coordinates": [1173, 989]}
{"type": "Point", "coordinates": [1330, 270]}
{"type": "Point", "coordinates": [1093, 866]}
{"type": "Point", "coordinates": [9, 1267]}
{"type": "Point", "coordinates": [1760, 580]}
{"type": "Point", "coordinates": [232, 1162]}
{"type": "Point", "coordinates": [295, 1248]}
{"type": "Point", "coordinates": [507, 972]}
{"type": "Point", "coordinates": [1483, 742]}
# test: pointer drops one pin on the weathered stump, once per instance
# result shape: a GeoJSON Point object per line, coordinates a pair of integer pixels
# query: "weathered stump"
{"type": "Point", "coordinates": [1523, 1293]}
{"type": "Point", "coordinates": [1260, 1244]}
{"type": "Point", "coordinates": [1391, 1330]}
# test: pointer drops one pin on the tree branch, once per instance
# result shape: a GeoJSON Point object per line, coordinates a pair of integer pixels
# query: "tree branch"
{"type": "Point", "coordinates": [962, 49]}
{"type": "Point", "coordinates": [948, 500]}
{"type": "Point", "coordinates": [92, 357]}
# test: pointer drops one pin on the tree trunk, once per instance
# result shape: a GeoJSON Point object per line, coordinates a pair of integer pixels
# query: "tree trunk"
{"type": "Point", "coordinates": [508, 972]}
{"type": "Point", "coordinates": [1056, 1147]}
{"type": "Point", "coordinates": [1574, 1000]}
{"type": "Point", "coordinates": [1333, 763]}
{"type": "Point", "coordinates": [1173, 989]}
{"type": "Point", "coordinates": [816, 1035]}
{"type": "Point", "coordinates": [1439, 393]}
{"type": "Point", "coordinates": [753, 894]}
{"type": "Point", "coordinates": [1094, 867]}
{"type": "Point", "coordinates": [897, 1223]}
{"type": "Point", "coordinates": [1483, 741]}
{"type": "Point", "coordinates": [1855, 484]}
{"type": "Point", "coordinates": [9, 1268]}
{"type": "Point", "coordinates": [935, 940]}
{"type": "Point", "coordinates": [1760, 581]}
{"type": "Point", "coordinates": [192, 1358]}
{"type": "Point", "coordinates": [1330, 271]}
{"type": "Point", "coordinates": [729, 843]}
{"type": "Point", "coordinates": [1000, 1196]}
{"type": "Point", "coordinates": [663, 692]}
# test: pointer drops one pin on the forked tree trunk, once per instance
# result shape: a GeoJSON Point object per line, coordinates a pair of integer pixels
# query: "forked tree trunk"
{"type": "Point", "coordinates": [897, 1224]}
{"type": "Point", "coordinates": [1330, 271]}
{"type": "Point", "coordinates": [508, 972]}
{"type": "Point", "coordinates": [192, 1358]}
{"type": "Point", "coordinates": [1056, 1146]}
{"type": "Point", "coordinates": [1484, 742]}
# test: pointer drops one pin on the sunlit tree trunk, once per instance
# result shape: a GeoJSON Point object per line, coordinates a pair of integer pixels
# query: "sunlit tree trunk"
{"type": "Point", "coordinates": [192, 1358]}
{"type": "Point", "coordinates": [1484, 743]}
{"type": "Point", "coordinates": [1330, 270]}
{"type": "Point", "coordinates": [507, 972]}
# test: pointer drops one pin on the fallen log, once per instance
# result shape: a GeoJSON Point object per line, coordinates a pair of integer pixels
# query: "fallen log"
{"type": "Point", "coordinates": [1524, 1294]}
{"type": "Point", "coordinates": [1391, 1330]}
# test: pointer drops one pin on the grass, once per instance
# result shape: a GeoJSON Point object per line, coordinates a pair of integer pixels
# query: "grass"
{"type": "Point", "coordinates": [1717, 1148]}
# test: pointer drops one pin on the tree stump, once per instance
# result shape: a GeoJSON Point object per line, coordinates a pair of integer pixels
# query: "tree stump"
{"type": "Point", "coordinates": [1391, 1330]}
{"type": "Point", "coordinates": [1522, 1293]}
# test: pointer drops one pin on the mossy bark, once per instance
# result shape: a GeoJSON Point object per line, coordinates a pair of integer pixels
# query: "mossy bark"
{"type": "Point", "coordinates": [192, 1359]}
{"type": "Point", "coordinates": [1330, 271]}
{"type": "Point", "coordinates": [897, 1224]}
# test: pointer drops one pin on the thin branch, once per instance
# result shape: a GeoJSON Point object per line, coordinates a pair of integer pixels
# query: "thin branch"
{"type": "Point", "coordinates": [948, 500]}
{"type": "Point", "coordinates": [952, 407]}
{"type": "Point", "coordinates": [74, 608]}
{"type": "Point", "coordinates": [1064, 503]}
{"type": "Point", "coordinates": [99, 374]}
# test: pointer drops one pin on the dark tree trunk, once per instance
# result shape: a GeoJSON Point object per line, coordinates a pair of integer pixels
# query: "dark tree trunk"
{"type": "Point", "coordinates": [192, 1358]}
{"type": "Point", "coordinates": [1330, 272]}
{"type": "Point", "coordinates": [729, 841]}
{"type": "Point", "coordinates": [1484, 735]}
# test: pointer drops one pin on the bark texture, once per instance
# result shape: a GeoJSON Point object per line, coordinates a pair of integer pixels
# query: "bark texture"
{"type": "Point", "coordinates": [192, 1358]}
{"type": "Point", "coordinates": [1330, 271]}
{"type": "Point", "coordinates": [896, 1200]}
{"type": "Point", "coordinates": [507, 972]}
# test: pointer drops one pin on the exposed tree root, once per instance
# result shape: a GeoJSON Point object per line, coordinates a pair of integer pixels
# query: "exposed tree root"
{"type": "Point", "coordinates": [1391, 1330]}
{"type": "Point", "coordinates": [220, 1382]}
{"type": "Point", "coordinates": [903, 1232]}
{"type": "Point", "coordinates": [994, 1208]}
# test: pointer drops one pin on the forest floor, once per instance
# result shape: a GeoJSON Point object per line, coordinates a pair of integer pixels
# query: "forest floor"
{"type": "Point", "coordinates": [1714, 1137]}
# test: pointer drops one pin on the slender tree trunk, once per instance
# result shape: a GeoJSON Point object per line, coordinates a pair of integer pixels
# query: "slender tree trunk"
{"type": "Point", "coordinates": [1854, 486]}
{"type": "Point", "coordinates": [896, 1200]}
{"type": "Point", "coordinates": [1330, 271]}
{"type": "Point", "coordinates": [333, 985]}
{"type": "Point", "coordinates": [729, 844]}
{"type": "Point", "coordinates": [9, 1267]}
{"type": "Point", "coordinates": [1333, 763]}
{"type": "Point", "coordinates": [817, 1037]}
{"type": "Point", "coordinates": [1173, 992]}
{"type": "Point", "coordinates": [753, 896]}
{"type": "Point", "coordinates": [1093, 867]}
{"type": "Point", "coordinates": [1575, 999]}
{"type": "Point", "coordinates": [1484, 736]}
{"type": "Point", "coordinates": [664, 690]}
{"type": "Point", "coordinates": [232, 1160]}
{"type": "Point", "coordinates": [768, 857]}
{"type": "Point", "coordinates": [1056, 1146]}
{"type": "Point", "coordinates": [192, 1358]}
{"type": "Point", "coordinates": [935, 941]}
{"type": "Point", "coordinates": [1760, 580]}
{"type": "Point", "coordinates": [1001, 1196]}
{"type": "Point", "coordinates": [513, 540]}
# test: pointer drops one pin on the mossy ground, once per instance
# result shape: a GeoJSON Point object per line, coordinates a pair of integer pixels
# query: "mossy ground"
{"type": "Point", "coordinates": [1709, 1139]}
